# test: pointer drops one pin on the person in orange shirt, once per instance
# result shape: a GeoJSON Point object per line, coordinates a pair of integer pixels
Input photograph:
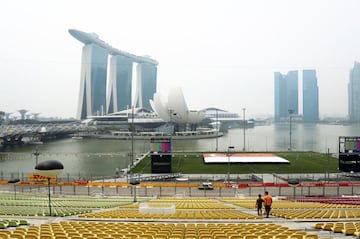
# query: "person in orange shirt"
{"type": "Point", "coordinates": [268, 202]}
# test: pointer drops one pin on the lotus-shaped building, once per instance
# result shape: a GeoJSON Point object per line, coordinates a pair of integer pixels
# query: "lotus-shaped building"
{"type": "Point", "coordinates": [174, 108]}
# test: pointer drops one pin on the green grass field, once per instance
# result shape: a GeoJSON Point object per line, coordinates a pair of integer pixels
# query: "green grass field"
{"type": "Point", "coordinates": [300, 162]}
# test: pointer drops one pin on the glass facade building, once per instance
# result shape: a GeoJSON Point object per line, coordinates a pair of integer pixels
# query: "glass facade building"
{"type": "Point", "coordinates": [148, 86]}
{"type": "Point", "coordinates": [354, 93]}
{"type": "Point", "coordinates": [286, 95]}
{"type": "Point", "coordinates": [120, 83]}
{"type": "Point", "coordinates": [92, 96]}
{"type": "Point", "coordinates": [280, 96]}
{"type": "Point", "coordinates": [310, 96]}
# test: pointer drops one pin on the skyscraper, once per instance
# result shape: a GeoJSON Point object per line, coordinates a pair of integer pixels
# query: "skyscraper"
{"type": "Point", "coordinates": [280, 96]}
{"type": "Point", "coordinates": [92, 98]}
{"type": "Point", "coordinates": [286, 94]}
{"type": "Point", "coordinates": [354, 93]}
{"type": "Point", "coordinates": [120, 83]}
{"type": "Point", "coordinates": [146, 83]}
{"type": "Point", "coordinates": [92, 95]}
{"type": "Point", "coordinates": [310, 96]}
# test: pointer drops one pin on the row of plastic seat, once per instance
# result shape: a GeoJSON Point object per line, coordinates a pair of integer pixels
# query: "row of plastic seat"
{"type": "Point", "coordinates": [347, 228]}
{"type": "Point", "coordinates": [336, 213]}
{"type": "Point", "coordinates": [231, 214]}
{"type": "Point", "coordinates": [286, 204]}
{"type": "Point", "coordinates": [40, 201]}
{"type": "Point", "coordinates": [190, 203]}
{"type": "Point", "coordinates": [5, 223]}
{"type": "Point", "coordinates": [107, 230]}
{"type": "Point", "coordinates": [40, 211]}
{"type": "Point", "coordinates": [29, 205]}
{"type": "Point", "coordinates": [332, 200]}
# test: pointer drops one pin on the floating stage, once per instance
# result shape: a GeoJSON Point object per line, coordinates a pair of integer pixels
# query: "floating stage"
{"type": "Point", "coordinates": [244, 158]}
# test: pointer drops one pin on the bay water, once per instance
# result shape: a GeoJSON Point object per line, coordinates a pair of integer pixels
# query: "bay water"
{"type": "Point", "coordinates": [100, 157]}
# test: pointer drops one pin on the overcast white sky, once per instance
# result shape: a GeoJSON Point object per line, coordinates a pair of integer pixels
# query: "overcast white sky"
{"type": "Point", "coordinates": [221, 53]}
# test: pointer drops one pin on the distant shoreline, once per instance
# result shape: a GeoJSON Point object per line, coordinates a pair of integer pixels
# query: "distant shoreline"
{"type": "Point", "coordinates": [127, 135]}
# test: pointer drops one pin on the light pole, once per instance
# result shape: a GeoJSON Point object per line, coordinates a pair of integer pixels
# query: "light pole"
{"type": "Point", "coordinates": [49, 169]}
{"type": "Point", "coordinates": [294, 182]}
{"type": "Point", "coordinates": [217, 129]}
{"type": "Point", "coordinates": [14, 182]}
{"type": "Point", "coordinates": [36, 153]}
{"type": "Point", "coordinates": [228, 154]}
{"type": "Point", "coordinates": [134, 182]}
{"type": "Point", "coordinates": [170, 121]}
{"type": "Point", "coordinates": [244, 126]}
{"type": "Point", "coordinates": [290, 117]}
{"type": "Point", "coordinates": [327, 174]}
{"type": "Point", "coordinates": [132, 139]}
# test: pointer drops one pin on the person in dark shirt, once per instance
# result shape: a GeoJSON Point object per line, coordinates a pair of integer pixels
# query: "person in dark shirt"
{"type": "Point", "coordinates": [259, 205]}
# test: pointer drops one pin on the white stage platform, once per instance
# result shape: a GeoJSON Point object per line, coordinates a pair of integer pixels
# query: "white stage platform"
{"type": "Point", "coordinates": [244, 158]}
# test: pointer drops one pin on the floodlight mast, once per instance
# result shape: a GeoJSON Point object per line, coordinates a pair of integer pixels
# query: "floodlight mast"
{"type": "Point", "coordinates": [244, 125]}
{"type": "Point", "coordinates": [291, 111]}
{"type": "Point", "coordinates": [228, 154]}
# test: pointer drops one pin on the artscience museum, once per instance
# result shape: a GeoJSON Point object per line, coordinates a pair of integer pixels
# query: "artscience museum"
{"type": "Point", "coordinates": [174, 108]}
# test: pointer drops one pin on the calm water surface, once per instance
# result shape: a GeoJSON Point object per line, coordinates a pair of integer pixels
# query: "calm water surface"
{"type": "Point", "coordinates": [101, 157]}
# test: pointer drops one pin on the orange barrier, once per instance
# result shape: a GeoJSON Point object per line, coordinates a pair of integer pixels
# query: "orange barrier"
{"type": "Point", "coordinates": [3, 182]}
{"type": "Point", "coordinates": [38, 177]}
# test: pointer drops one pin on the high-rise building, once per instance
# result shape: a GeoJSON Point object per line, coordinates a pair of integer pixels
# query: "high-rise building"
{"type": "Point", "coordinates": [280, 96]}
{"type": "Point", "coordinates": [120, 83]}
{"type": "Point", "coordinates": [93, 98]}
{"type": "Point", "coordinates": [92, 95]}
{"type": "Point", "coordinates": [286, 95]}
{"type": "Point", "coordinates": [310, 96]}
{"type": "Point", "coordinates": [354, 93]}
{"type": "Point", "coordinates": [146, 83]}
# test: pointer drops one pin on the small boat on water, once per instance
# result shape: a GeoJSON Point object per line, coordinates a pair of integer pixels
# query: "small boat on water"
{"type": "Point", "coordinates": [77, 137]}
{"type": "Point", "coordinates": [35, 142]}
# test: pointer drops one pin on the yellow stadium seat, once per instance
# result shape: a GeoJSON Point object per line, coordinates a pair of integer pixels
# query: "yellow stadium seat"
{"type": "Point", "coordinates": [251, 237]}
{"type": "Point", "coordinates": [296, 236]}
{"type": "Point", "coordinates": [265, 237]}
{"type": "Point", "coordinates": [281, 237]}
{"type": "Point", "coordinates": [131, 236]}
{"type": "Point", "coordinates": [311, 236]}
{"type": "Point", "coordinates": [175, 237]}
{"type": "Point", "coordinates": [17, 236]}
{"type": "Point", "coordinates": [319, 225]}
{"type": "Point", "coordinates": [220, 237]}
{"type": "Point", "coordinates": [328, 226]}
{"type": "Point", "coordinates": [4, 235]}
{"type": "Point", "coordinates": [102, 235]}
{"type": "Point", "coordinates": [349, 231]}
{"type": "Point", "coordinates": [236, 237]}
{"type": "Point", "coordinates": [337, 228]}
{"type": "Point", "coordinates": [160, 237]}
{"type": "Point", "coordinates": [32, 236]}
{"type": "Point", "coordinates": [191, 237]}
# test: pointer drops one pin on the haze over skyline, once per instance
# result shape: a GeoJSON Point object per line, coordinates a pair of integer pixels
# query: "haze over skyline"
{"type": "Point", "coordinates": [221, 53]}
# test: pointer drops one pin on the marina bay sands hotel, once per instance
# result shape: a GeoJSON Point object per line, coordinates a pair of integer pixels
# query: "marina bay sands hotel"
{"type": "Point", "coordinates": [97, 69]}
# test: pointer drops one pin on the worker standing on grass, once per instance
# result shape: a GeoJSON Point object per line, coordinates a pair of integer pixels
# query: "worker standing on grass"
{"type": "Point", "coordinates": [268, 202]}
{"type": "Point", "coordinates": [259, 204]}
